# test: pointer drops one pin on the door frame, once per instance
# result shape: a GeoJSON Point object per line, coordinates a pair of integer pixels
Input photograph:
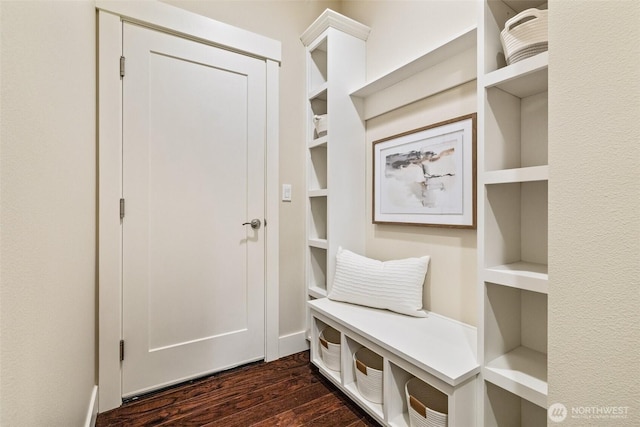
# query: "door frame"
{"type": "Point", "coordinates": [172, 20]}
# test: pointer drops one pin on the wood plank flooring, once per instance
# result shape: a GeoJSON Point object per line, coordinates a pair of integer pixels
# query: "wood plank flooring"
{"type": "Point", "coordinates": [287, 392]}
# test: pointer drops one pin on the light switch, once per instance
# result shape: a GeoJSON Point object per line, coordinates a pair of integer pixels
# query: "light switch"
{"type": "Point", "coordinates": [286, 192]}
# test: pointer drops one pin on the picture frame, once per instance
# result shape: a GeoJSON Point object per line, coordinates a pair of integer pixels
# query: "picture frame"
{"type": "Point", "coordinates": [427, 176]}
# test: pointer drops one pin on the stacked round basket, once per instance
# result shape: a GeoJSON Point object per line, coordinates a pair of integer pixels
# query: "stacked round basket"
{"type": "Point", "coordinates": [525, 35]}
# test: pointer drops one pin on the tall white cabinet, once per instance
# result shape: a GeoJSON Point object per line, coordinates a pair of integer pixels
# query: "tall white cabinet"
{"type": "Point", "coordinates": [335, 49]}
{"type": "Point", "coordinates": [513, 171]}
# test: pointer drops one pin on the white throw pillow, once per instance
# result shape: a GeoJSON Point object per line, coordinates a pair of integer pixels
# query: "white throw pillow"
{"type": "Point", "coordinates": [393, 285]}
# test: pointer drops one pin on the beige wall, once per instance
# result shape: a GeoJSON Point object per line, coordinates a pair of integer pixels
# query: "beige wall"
{"type": "Point", "coordinates": [450, 287]}
{"type": "Point", "coordinates": [402, 31]}
{"type": "Point", "coordinates": [47, 215]}
{"type": "Point", "coordinates": [594, 207]}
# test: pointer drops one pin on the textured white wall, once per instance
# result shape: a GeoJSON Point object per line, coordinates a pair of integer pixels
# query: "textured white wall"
{"type": "Point", "coordinates": [402, 31]}
{"type": "Point", "coordinates": [47, 216]}
{"type": "Point", "coordinates": [594, 207]}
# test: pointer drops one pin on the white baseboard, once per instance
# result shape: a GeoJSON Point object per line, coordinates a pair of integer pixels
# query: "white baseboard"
{"type": "Point", "coordinates": [293, 343]}
{"type": "Point", "coordinates": [92, 412]}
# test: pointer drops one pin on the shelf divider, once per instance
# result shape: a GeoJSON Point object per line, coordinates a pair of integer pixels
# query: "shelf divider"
{"type": "Point", "coordinates": [523, 372]}
{"type": "Point", "coordinates": [521, 275]}
{"type": "Point", "coordinates": [318, 142]}
{"type": "Point", "coordinates": [522, 79]}
{"type": "Point", "coordinates": [508, 176]}
{"type": "Point", "coordinates": [318, 243]}
{"type": "Point", "coordinates": [318, 193]}
{"type": "Point", "coordinates": [319, 93]}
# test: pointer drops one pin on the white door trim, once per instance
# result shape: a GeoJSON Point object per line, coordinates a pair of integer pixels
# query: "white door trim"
{"type": "Point", "coordinates": [171, 19]}
{"type": "Point", "coordinates": [177, 21]}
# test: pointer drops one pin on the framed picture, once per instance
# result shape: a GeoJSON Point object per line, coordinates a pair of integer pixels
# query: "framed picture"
{"type": "Point", "coordinates": [427, 176]}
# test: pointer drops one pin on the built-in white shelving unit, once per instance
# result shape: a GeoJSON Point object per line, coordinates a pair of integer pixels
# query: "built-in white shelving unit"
{"type": "Point", "coordinates": [513, 175]}
{"type": "Point", "coordinates": [439, 351]}
{"type": "Point", "coordinates": [335, 49]}
{"type": "Point", "coordinates": [512, 233]}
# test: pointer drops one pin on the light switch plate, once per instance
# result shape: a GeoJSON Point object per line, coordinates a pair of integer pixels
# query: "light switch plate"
{"type": "Point", "coordinates": [286, 192]}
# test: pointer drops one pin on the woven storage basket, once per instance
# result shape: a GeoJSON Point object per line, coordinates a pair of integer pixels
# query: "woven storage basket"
{"type": "Point", "coordinates": [525, 35]}
{"type": "Point", "coordinates": [369, 374]}
{"type": "Point", "coordinates": [330, 348]}
{"type": "Point", "coordinates": [428, 407]}
{"type": "Point", "coordinates": [320, 123]}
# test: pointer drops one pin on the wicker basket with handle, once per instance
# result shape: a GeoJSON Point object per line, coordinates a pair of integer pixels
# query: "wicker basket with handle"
{"type": "Point", "coordinates": [525, 35]}
{"type": "Point", "coordinates": [330, 348]}
{"type": "Point", "coordinates": [427, 406]}
{"type": "Point", "coordinates": [369, 374]}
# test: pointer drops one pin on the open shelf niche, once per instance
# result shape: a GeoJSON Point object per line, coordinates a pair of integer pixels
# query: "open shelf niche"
{"type": "Point", "coordinates": [513, 167]}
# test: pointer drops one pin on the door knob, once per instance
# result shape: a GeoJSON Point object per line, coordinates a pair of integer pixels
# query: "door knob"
{"type": "Point", "coordinates": [255, 223]}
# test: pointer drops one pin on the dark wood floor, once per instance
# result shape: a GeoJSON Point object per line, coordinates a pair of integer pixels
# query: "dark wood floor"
{"type": "Point", "coordinates": [287, 392]}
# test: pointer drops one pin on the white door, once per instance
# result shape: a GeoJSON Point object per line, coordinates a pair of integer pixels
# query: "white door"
{"type": "Point", "coordinates": [193, 173]}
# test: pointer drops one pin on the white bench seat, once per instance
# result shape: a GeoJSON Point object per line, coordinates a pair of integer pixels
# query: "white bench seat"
{"type": "Point", "coordinates": [438, 350]}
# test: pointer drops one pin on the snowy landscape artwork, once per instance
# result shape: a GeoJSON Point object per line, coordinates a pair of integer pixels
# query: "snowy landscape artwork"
{"type": "Point", "coordinates": [427, 176]}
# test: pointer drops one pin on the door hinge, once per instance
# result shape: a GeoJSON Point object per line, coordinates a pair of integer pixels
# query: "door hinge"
{"type": "Point", "coordinates": [121, 350]}
{"type": "Point", "coordinates": [121, 208]}
{"type": "Point", "coordinates": [122, 66]}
